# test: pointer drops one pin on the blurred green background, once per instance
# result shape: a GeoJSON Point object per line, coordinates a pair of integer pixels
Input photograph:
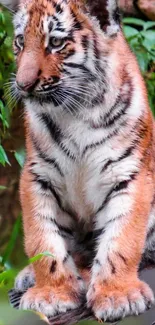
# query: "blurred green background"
{"type": "Point", "coordinates": [140, 33]}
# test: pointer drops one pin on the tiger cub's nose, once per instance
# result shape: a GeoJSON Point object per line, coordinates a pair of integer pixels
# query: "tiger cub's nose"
{"type": "Point", "coordinates": [27, 77]}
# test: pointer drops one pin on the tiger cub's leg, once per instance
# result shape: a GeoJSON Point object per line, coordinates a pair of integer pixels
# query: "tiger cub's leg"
{"type": "Point", "coordinates": [115, 290]}
{"type": "Point", "coordinates": [58, 285]}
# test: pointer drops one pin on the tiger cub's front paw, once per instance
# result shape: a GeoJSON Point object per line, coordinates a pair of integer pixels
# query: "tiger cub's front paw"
{"type": "Point", "coordinates": [112, 303]}
{"type": "Point", "coordinates": [51, 300]}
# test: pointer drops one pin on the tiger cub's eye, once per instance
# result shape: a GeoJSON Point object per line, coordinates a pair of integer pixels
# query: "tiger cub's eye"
{"type": "Point", "coordinates": [19, 41]}
{"type": "Point", "coordinates": [56, 42]}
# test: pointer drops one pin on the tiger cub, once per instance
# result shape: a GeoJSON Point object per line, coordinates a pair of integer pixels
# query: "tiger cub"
{"type": "Point", "coordinates": [87, 187]}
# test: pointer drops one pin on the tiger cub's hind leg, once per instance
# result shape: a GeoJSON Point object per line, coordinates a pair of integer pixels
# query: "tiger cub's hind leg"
{"type": "Point", "coordinates": [25, 279]}
{"type": "Point", "coordinates": [148, 257]}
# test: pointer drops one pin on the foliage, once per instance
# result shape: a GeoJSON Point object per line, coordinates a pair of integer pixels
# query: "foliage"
{"type": "Point", "coordinates": [141, 37]}
{"type": "Point", "coordinates": [6, 68]}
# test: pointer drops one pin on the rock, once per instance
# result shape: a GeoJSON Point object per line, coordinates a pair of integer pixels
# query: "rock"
{"type": "Point", "coordinates": [147, 7]}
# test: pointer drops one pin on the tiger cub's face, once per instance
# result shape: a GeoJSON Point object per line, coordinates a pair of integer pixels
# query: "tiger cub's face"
{"type": "Point", "coordinates": [58, 54]}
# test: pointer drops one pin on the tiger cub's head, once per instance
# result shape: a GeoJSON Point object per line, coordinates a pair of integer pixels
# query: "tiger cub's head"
{"type": "Point", "coordinates": [61, 48]}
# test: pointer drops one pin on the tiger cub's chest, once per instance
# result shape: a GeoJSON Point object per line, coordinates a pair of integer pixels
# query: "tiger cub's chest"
{"type": "Point", "coordinates": [79, 156]}
{"type": "Point", "coordinates": [82, 189]}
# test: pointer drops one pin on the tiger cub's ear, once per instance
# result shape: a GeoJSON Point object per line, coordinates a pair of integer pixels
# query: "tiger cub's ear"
{"type": "Point", "coordinates": [107, 13]}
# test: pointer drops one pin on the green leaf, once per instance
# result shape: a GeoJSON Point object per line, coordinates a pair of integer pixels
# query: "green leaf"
{"type": "Point", "coordinates": [149, 24]}
{"type": "Point", "coordinates": [143, 60]}
{"type": "Point", "coordinates": [12, 240]}
{"type": "Point", "coordinates": [6, 276]}
{"type": "Point", "coordinates": [3, 157]}
{"type": "Point", "coordinates": [39, 256]}
{"type": "Point", "coordinates": [2, 18]}
{"type": "Point", "coordinates": [3, 115]}
{"type": "Point", "coordinates": [134, 21]}
{"type": "Point", "coordinates": [130, 32]}
{"type": "Point", "coordinates": [2, 187]}
{"type": "Point", "coordinates": [20, 156]}
{"type": "Point", "coordinates": [149, 39]}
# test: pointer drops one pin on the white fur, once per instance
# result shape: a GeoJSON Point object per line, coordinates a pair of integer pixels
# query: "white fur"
{"type": "Point", "coordinates": [20, 21]}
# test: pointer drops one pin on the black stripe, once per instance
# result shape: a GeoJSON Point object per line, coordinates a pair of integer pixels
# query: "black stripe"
{"type": "Point", "coordinates": [58, 8]}
{"type": "Point", "coordinates": [76, 23]}
{"type": "Point", "coordinates": [15, 298]}
{"type": "Point", "coordinates": [67, 230]}
{"type": "Point", "coordinates": [98, 99]}
{"type": "Point", "coordinates": [32, 164]}
{"type": "Point", "coordinates": [85, 44]}
{"type": "Point", "coordinates": [62, 229]}
{"type": "Point", "coordinates": [101, 142]}
{"type": "Point", "coordinates": [113, 268]}
{"type": "Point", "coordinates": [59, 29]}
{"type": "Point", "coordinates": [70, 53]}
{"type": "Point", "coordinates": [126, 154]}
{"type": "Point", "coordinates": [123, 185]}
{"type": "Point", "coordinates": [53, 266]}
{"type": "Point", "coordinates": [97, 262]}
{"type": "Point", "coordinates": [118, 187]}
{"type": "Point", "coordinates": [76, 65]}
{"type": "Point", "coordinates": [43, 156]}
{"type": "Point", "coordinates": [47, 185]}
{"type": "Point", "coordinates": [16, 304]}
{"type": "Point", "coordinates": [117, 102]}
{"type": "Point", "coordinates": [68, 73]}
{"type": "Point", "coordinates": [119, 114]}
{"type": "Point", "coordinates": [66, 258]}
{"type": "Point", "coordinates": [51, 161]}
{"type": "Point", "coordinates": [106, 116]}
{"type": "Point", "coordinates": [97, 54]}
{"type": "Point", "coordinates": [123, 101]}
{"type": "Point", "coordinates": [52, 127]}
{"type": "Point", "coordinates": [122, 258]}
{"type": "Point", "coordinates": [117, 16]}
{"type": "Point", "coordinates": [50, 26]}
{"type": "Point", "coordinates": [81, 67]}
{"type": "Point", "coordinates": [79, 278]}
{"type": "Point", "coordinates": [55, 18]}
{"type": "Point", "coordinates": [111, 221]}
{"type": "Point", "coordinates": [56, 134]}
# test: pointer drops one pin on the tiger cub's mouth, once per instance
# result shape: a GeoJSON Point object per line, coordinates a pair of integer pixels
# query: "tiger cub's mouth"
{"type": "Point", "coordinates": [47, 93]}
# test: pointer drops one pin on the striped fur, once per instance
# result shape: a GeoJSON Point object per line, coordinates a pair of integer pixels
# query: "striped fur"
{"type": "Point", "coordinates": [87, 187]}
